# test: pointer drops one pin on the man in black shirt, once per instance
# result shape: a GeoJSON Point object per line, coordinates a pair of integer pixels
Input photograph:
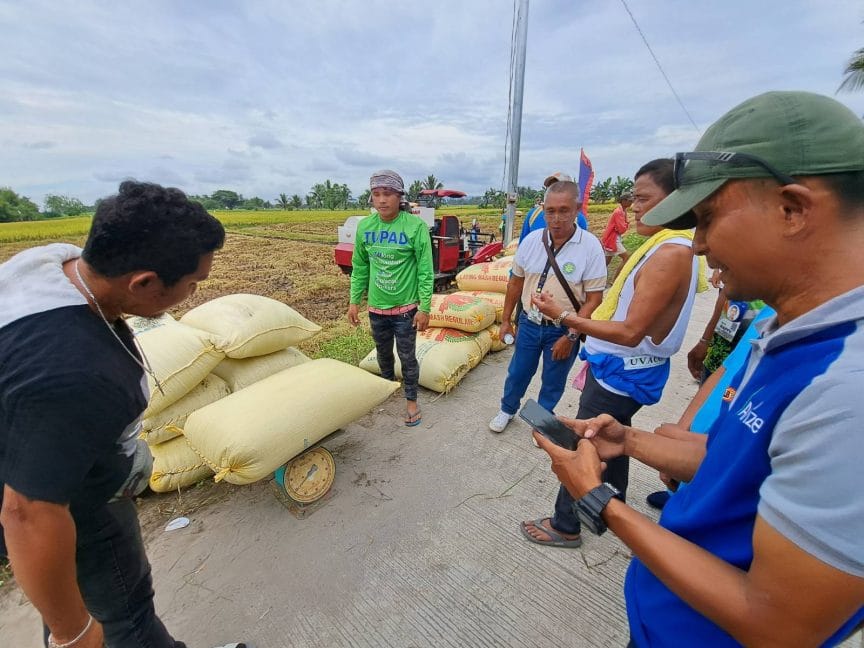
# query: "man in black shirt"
{"type": "Point", "coordinates": [73, 386]}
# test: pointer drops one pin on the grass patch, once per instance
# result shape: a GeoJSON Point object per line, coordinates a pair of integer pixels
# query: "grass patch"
{"type": "Point", "coordinates": [6, 576]}
{"type": "Point", "coordinates": [632, 240]}
{"type": "Point", "coordinates": [341, 341]}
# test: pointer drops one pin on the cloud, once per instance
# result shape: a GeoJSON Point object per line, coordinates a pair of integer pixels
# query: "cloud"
{"type": "Point", "coordinates": [114, 177]}
{"type": "Point", "coordinates": [265, 141]}
{"type": "Point", "coordinates": [38, 146]}
{"type": "Point", "coordinates": [231, 173]}
{"type": "Point", "coordinates": [286, 95]}
{"type": "Point", "coordinates": [356, 158]}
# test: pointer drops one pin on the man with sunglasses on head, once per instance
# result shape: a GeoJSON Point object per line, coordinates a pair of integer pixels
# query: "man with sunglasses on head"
{"type": "Point", "coordinates": [764, 545]}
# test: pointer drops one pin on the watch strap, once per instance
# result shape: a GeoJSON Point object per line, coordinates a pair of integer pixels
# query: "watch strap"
{"type": "Point", "coordinates": [592, 504]}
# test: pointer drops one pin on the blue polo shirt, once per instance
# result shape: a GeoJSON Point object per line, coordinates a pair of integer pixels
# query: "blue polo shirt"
{"type": "Point", "coordinates": [786, 446]}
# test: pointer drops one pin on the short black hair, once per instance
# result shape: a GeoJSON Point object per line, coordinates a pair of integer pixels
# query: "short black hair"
{"type": "Point", "coordinates": [150, 227]}
{"type": "Point", "coordinates": [849, 189]}
{"type": "Point", "coordinates": [662, 173]}
{"type": "Point", "coordinates": [564, 186]}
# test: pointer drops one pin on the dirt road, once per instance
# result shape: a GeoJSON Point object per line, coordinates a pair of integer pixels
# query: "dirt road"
{"type": "Point", "coordinates": [418, 546]}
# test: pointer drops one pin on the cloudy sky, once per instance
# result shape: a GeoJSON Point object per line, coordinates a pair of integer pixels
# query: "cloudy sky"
{"type": "Point", "coordinates": [270, 96]}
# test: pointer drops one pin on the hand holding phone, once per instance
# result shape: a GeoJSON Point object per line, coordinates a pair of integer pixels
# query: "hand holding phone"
{"type": "Point", "coordinates": [545, 422]}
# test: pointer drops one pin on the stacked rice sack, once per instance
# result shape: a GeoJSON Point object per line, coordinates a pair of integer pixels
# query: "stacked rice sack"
{"type": "Point", "coordinates": [488, 281]}
{"type": "Point", "coordinates": [457, 339]}
{"type": "Point", "coordinates": [491, 276]}
{"type": "Point", "coordinates": [222, 351]}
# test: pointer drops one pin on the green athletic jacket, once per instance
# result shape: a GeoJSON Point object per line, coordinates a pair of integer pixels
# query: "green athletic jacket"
{"type": "Point", "coordinates": [392, 262]}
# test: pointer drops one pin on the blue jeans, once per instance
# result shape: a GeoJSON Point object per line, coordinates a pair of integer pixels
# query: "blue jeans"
{"type": "Point", "coordinates": [595, 401]}
{"type": "Point", "coordinates": [114, 578]}
{"type": "Point", "coordinates": [532, 342]}
{"type": "Point", "coordinates": [386, 328]}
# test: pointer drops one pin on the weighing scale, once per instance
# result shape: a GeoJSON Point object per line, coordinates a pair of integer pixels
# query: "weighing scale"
{"type": "Point", "coordinates": [303, 484]}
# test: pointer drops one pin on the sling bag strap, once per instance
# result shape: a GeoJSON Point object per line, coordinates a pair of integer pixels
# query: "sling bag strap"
{"type": "Point", "coordinates": [554, 265]}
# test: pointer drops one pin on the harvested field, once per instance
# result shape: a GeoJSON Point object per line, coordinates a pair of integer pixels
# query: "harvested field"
{"type": "Point", "coordinates": [283, 255]}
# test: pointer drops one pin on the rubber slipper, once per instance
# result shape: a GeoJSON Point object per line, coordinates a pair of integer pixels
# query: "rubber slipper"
{"type": "Point", "coordinates": [555, 538]}
{"type": "Point", "coordinates": [417, 418]}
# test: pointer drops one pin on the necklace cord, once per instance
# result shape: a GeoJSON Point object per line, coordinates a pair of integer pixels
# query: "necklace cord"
{"type": "Point", "coordinates": [145, 365]}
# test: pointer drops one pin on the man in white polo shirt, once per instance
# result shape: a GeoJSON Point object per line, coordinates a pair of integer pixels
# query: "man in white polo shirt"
{"type": "Point", "coordinates": [580, 258]}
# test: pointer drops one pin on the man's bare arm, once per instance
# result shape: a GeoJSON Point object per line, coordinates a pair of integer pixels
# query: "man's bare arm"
{"type": "Point", "coordinates": [40, 539]}
{"type": "Point", "coordinates": [660, 279]}
{"type": "Point", "coordinates": [511, 298]}
{"type": "Point", "coordinates": [765, 606]}
{"type": "Point", "coordinates": [592, 301]}
{"type": "Point", "coordinates": [699, 399]}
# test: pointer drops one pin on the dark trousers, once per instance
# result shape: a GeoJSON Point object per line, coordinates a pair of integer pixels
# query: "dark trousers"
{"type": "Point", "coordinates": [595, 401]}
{"type": "Point", "coordinates": [386, 329]}
{"type": "Point", "coordinates": [114, 578]}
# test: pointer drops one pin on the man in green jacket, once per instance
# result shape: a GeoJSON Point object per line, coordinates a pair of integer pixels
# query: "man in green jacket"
{"type": "Point", "coordinates": [392, 264]}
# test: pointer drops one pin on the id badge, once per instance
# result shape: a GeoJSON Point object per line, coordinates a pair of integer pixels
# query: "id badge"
{"type": "Point", "coordinates": [727, 329]}
{"type": "Point", "coordinates": [534, 315]}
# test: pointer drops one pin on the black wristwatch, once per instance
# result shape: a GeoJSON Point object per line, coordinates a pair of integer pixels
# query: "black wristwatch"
{"type": "Point", "coordinates": [591, 506]}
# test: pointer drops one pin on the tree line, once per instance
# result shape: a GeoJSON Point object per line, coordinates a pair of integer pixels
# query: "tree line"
{"type": "Point", "coordinates": [323, 195]}
{"type": "Point", "coordinates": [20, 208]}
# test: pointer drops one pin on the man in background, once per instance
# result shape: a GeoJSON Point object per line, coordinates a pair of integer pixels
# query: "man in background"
{"type": "Point", "coordinates": [392, 266]}
{"type": "Point", "coordinates": [580, 258]}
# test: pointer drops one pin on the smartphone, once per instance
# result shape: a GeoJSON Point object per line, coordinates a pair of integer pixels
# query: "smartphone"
{"type": "Point", "coordinates": [544, 421]}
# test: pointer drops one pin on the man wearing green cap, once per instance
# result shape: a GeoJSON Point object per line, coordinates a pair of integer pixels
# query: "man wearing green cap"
{"type": "Point", "coordinates": [764, 546]}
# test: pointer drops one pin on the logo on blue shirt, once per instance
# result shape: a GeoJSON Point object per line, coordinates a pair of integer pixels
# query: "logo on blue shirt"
{"type": "Point", "coordinates": [750, 417]}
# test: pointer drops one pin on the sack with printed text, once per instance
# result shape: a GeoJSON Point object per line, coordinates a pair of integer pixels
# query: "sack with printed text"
{"type": "Point", "coordinates": [445, 357]}
{"type": "Point", "coordinates": [461, 312]}
{"type": "Point", "coordinates": [492, 276]}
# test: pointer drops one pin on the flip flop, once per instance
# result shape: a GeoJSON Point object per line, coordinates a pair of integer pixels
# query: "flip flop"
{"type": "Point", "coordinates": [555, 538]}
{"type": "Point", "coordinates": [417, 418]}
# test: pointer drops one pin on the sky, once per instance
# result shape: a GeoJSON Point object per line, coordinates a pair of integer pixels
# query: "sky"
{"type": "Point", "coordinates": [272, 96]}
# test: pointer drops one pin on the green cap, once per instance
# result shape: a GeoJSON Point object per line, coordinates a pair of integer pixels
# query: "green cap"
{"type": "Point", "coordinates": [797, 133]}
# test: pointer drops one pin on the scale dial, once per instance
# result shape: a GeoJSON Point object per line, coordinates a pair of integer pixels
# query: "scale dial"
{"type": "Point", "coordinates": [310, 475]}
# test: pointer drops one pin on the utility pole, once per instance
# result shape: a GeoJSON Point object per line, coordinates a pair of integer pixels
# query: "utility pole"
{"type": "Point", "coordinates": [516, 116]}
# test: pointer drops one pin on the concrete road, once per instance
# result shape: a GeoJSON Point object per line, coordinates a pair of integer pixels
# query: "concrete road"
{"type": "Point", "coordinates": [418, 546]}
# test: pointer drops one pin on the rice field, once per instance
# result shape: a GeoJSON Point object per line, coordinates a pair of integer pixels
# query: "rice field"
{"type": "Point", "coordinates": [317, 226]}
{"type": "Point", "coordinates": [285, 255]}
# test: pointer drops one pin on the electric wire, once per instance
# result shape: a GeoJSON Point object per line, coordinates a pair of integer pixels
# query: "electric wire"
{"type": "Point", "coordinates": [660, 67]}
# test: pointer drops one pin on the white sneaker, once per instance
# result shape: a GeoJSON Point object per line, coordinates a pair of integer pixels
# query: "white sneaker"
{"type": "Point", "coordinates": [501, 421]}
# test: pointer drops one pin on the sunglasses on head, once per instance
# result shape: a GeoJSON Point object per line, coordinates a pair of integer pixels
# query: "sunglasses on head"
{"type": "Point", "coordinates": [681, 160]}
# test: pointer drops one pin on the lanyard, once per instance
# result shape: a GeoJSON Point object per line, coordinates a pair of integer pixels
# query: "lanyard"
{"type": "Point", "coordinates": [542, 280]}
